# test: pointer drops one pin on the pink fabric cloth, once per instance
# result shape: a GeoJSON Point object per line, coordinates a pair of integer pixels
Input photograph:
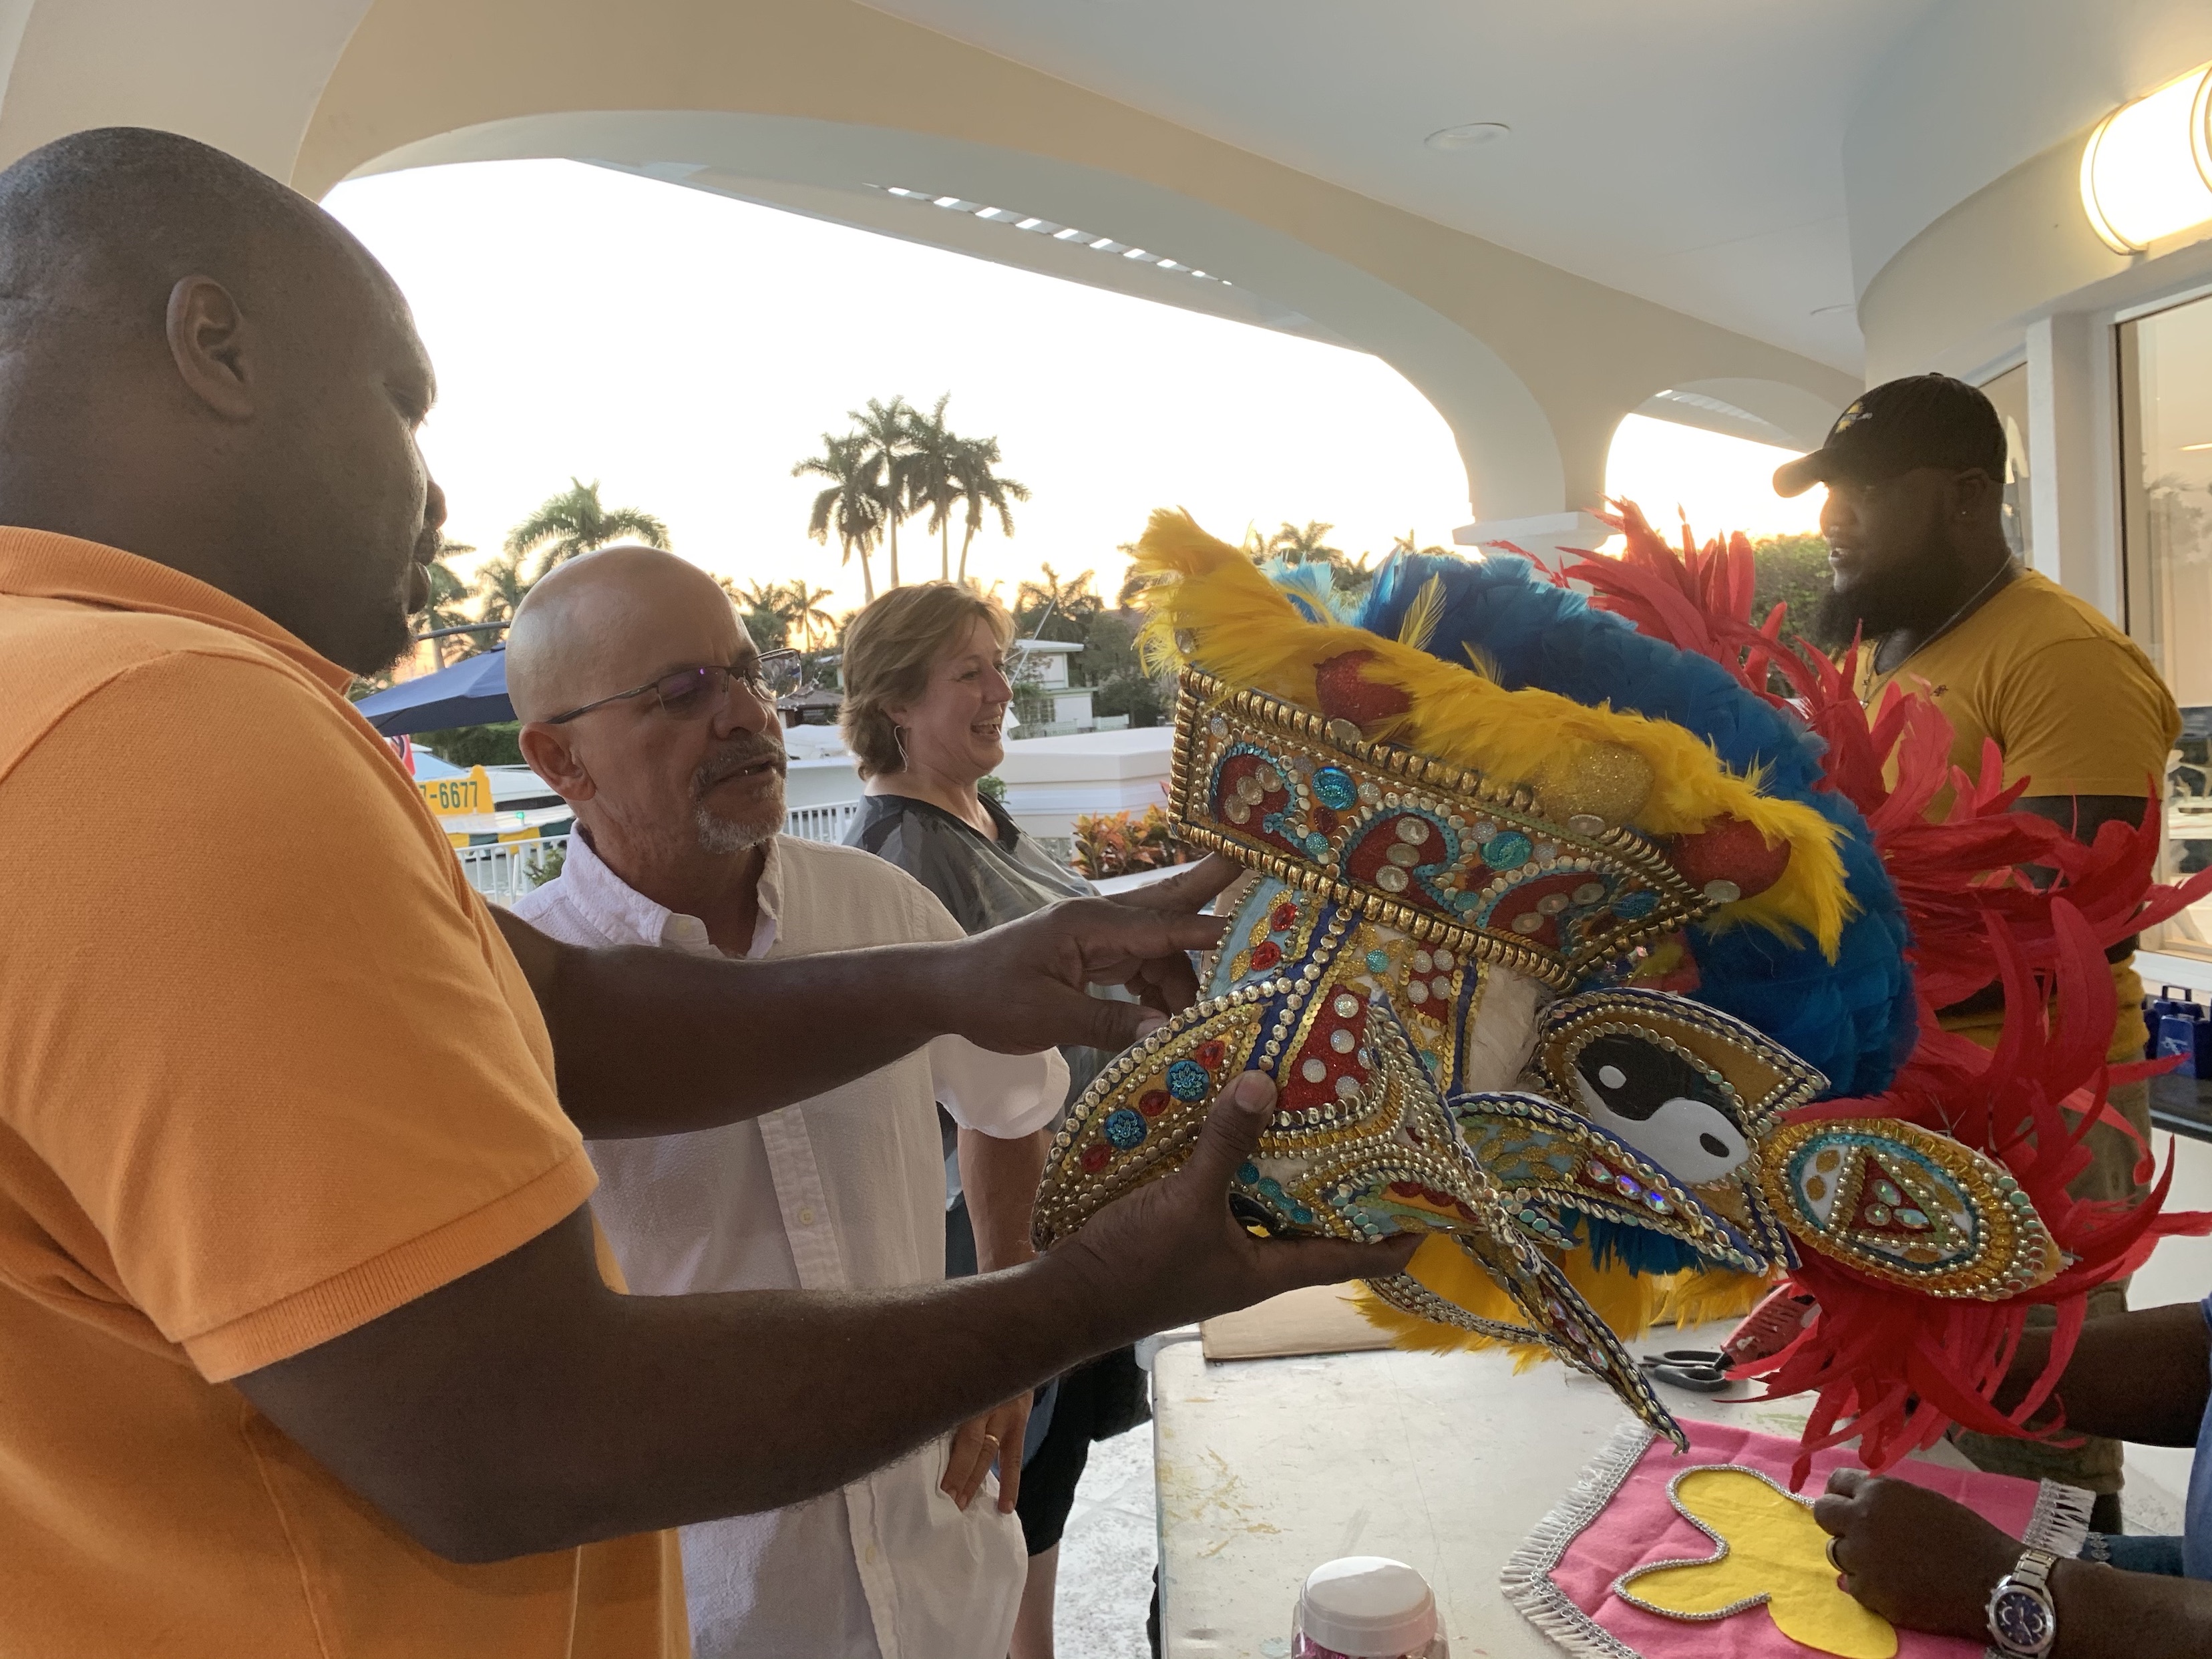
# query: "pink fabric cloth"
{"type": "Point", "coordinates": [1641, 1525]}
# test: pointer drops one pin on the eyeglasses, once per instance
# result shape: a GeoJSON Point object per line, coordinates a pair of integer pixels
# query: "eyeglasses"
{"type": "Point", "coordinates": [689, 693]}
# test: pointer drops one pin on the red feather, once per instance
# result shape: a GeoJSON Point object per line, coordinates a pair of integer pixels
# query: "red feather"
{"type": "Point", "coordinates": [1890, 1367]}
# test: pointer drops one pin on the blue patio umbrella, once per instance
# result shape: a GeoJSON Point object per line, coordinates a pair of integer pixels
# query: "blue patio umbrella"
{"type": "Point", "coordinates": [472, 692]}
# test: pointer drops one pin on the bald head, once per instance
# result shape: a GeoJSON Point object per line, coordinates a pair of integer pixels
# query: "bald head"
{"type": "Point", "coordinates": [670, 792]}
{"type": "Point", "coordinates": [202, 367]}
{"type": "Point", "coordinates": [611, 620]}
{"type": "Point", "coordinates": [97, 227]}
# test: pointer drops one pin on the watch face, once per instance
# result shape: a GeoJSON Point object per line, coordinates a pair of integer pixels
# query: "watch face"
{"type": "Point", "coordinates": [2019, 1621]}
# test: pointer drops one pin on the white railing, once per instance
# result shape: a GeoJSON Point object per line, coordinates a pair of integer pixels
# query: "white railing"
{"type": "Point", "coordinates": [504, 870]}
{"type": "Point", "coordinates": [827, 824]}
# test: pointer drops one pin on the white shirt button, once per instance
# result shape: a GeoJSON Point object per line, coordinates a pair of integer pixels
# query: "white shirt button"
{"type": "Point", "coordinates": [807, 1217]}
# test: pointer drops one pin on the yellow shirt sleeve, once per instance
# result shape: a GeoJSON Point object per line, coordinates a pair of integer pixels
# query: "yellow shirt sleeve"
{"type": "Point", "coordinates": [258, 1027]}
{"type": "Point", "coordinates": [2084, 717]}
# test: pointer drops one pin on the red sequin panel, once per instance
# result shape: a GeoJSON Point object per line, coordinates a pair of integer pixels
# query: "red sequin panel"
{"type": "Point", "coordinates": [1366, 858]}
{"type": "Point", "coordinates": [1298, 1090]}
{"type": "Point", "coordinates": [1525, 904]}
{"type": "Point", "coordinates": [1226, 776]}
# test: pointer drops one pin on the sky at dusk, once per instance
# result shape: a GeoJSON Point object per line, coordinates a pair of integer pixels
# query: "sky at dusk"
{"type": "Point", "coordinates": [685, 350]}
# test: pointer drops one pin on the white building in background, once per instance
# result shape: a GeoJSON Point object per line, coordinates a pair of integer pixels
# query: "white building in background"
{"type": "Point", "coordinates": [1045, 665]}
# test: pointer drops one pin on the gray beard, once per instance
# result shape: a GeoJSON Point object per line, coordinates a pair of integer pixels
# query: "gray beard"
{"type": "Point", "coordinates": [725, 836]}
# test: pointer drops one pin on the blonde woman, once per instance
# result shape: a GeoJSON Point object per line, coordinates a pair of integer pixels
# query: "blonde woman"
{"type": "Point", "coordinates": [927, 683]}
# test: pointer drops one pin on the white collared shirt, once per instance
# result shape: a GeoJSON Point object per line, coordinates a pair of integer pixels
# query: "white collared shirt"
{"type": "Point", "coordinates": [843, 1191]}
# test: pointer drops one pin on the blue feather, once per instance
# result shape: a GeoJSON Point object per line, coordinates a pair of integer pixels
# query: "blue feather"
{"type": "Point", "coordinates": [1637, 1249]}
{"type": "Point", "coordinates": [1853, 1018]}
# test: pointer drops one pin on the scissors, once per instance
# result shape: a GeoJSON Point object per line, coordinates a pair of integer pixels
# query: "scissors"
{"type": "Point", "coordinates": [1701, 1371]}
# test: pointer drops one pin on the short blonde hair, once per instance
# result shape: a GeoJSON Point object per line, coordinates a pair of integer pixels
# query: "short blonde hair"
{"type": "Point", "coordinates": [888, 651]}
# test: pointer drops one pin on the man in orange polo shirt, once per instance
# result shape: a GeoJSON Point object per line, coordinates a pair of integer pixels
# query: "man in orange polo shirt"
{"type": "Point", "coordinates": [1913, 519]}
{"type": "Point", "coordinates": [305, 1344]}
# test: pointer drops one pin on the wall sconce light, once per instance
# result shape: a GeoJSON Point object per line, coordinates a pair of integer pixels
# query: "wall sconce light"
{"type": "Point", "coordinates": [2148, 170]}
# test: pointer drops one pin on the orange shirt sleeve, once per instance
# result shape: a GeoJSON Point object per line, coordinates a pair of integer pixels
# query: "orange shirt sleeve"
{"type": "Point", "coordinates": [259, 1029]}
{"type": "Point", "coordinates": [2085, 717]}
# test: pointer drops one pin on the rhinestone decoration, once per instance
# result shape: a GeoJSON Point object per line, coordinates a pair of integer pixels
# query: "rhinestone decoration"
{"type": "Point", "coordinates": [1433, 851]}
{"type": "Point", "coordinates": [1361, 1146]}
{"type": "Point", "coordinates": [1899, 1204]}
{"type": "Point", "coordinates": [1335, 788]}
{"type": "Point", "coordinates": [1187, 1080]}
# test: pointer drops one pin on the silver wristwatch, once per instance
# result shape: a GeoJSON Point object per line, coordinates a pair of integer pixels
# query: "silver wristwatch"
{"type": "Point", "coordinates": [2023, 1623]}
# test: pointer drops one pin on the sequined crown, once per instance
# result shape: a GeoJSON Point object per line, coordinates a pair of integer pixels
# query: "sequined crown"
{"type": "Point", "coordinates": [1440, 851]}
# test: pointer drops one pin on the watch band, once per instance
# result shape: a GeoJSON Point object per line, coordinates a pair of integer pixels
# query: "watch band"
{"type": "Point", "coordinates": [2033, 1568]}
{"type": "Point", "coordinates": [2030, 1575]}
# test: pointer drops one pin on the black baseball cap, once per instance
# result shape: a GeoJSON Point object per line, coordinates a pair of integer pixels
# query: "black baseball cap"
{"type": "Point", "coordinates": [1923, 420]}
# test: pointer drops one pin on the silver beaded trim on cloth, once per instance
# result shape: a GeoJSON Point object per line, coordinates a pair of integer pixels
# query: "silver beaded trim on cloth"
{"type": "Point", "coordinates": [2059, 1525]}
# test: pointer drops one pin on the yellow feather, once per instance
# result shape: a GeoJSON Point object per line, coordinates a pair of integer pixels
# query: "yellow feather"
{"type": "Point", "coordinates": [1630, 1304]}
{"type": "Point", "coordinates": [1245, 632]}
{"type": "Point", "coordinates": [1418, 625]}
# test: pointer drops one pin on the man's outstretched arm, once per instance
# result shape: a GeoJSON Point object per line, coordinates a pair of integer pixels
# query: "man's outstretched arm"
{"type": "Point", "coordinates": [651, 1042]}
{"type": "Point", "coordinates": [525, 1407]}
{"type": "Point", "coordinates": [2144, 1376]}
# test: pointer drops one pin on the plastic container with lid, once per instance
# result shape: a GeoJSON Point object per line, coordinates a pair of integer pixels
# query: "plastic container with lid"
{"type": "Point", "coordinates": [1366, 1607]}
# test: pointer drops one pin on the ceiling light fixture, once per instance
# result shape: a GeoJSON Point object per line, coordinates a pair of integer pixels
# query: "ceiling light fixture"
{"type": "Point", "coordinates": [1015, 219]}
{"type": "Point", "coordinates": [1468, 136]}
{"type": "Point", "coordinates": [2147, 170]}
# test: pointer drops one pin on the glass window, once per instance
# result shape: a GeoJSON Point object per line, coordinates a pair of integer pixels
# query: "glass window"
{"type": "Point", "coordinates": [2166, 368]}
{"type": "Point", "coordinates": [2008, 391]}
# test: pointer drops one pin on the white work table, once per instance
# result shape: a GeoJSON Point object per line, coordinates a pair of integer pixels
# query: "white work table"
{"type": "Point", "coordinates": [1267, 1468]}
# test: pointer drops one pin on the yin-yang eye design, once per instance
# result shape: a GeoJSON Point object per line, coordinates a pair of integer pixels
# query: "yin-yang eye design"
{"type": "Point", "coordinates": [1662, 1105]}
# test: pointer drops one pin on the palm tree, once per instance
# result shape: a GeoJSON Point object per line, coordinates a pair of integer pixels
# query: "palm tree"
{"type": "Point", "coordinates": [576, 521]}
{"type": "Point", "coordinates": [850, 506]}
{"type": "Point", "coordinates": [501, 584]}
{"type": "Point", "coordinates": [447, 591]}
{"type": "Point", "coordinates": [807, 614]}
{"type": "Point", "coordinates": [765, 609]}
{"type": "Point", "coordinates": [933, 478]}
{"type": "Point", "coordinates": [1039, 605]}
{"type": "Point", "coordinates": [1306, 546]}
{"type": "Point", "coordinates": [1410, 543]}
{"type": "Point", "coordinates": [979, 485]}
{"type": "Point", "coordinates": [886, 433]}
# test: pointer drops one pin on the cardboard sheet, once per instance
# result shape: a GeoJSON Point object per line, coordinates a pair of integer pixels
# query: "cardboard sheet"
{"type": "Point", "coordinates": [1318, 1318]}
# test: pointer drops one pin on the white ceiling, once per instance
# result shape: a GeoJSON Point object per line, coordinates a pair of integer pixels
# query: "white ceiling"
{"type": "Point", "coordinates": [1689, 152]}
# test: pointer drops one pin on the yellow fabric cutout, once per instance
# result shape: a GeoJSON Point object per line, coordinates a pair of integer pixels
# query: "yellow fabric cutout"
{"type": "Point", "coordinates": [1771, 1549]}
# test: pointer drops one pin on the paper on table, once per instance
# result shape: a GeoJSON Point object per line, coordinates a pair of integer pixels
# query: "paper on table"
{"type": "Point", "coordinates": [1318, 1319]}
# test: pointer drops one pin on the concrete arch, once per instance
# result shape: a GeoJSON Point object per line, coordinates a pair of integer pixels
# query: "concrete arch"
{"type": "Point", "coordinates": [800, 102]}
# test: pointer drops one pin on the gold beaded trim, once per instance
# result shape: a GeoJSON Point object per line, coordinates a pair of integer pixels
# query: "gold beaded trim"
{"type": "Point", "coordinates": [1955, 1223]}
{"type": "Point", "coordinates": [1244, 714]}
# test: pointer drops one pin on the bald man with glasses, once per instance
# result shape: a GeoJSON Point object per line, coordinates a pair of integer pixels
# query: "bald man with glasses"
{"type": "Point", "coordinates": [678, 783]}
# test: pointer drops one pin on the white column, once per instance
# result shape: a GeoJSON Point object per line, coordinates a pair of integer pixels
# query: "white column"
{"type": "Point", "coordinates": [2073, 441]}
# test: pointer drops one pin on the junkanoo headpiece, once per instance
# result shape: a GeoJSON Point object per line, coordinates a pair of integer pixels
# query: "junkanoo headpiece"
{"type": "Point", "coordinates": [1551, 936]}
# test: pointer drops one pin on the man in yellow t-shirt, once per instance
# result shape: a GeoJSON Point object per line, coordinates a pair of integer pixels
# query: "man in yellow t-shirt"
{"type": "Point", "coordinates": [1915, 470]}
{"type": "Point", "coordinates": [307, 1348]}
